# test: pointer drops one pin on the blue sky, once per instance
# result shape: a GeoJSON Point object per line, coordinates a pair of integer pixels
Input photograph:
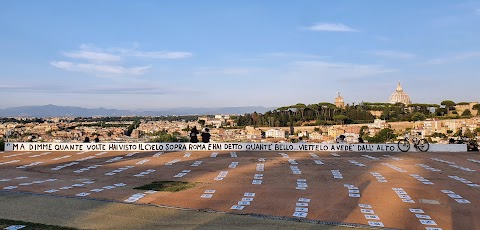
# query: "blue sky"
{"type": "Point", "coordinates": [166, 54]}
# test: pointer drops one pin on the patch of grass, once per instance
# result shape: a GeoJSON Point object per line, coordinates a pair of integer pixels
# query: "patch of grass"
{"type": "Point", "coordinates": [167, 186]}
{"type": "Point", "coordinates": [6, 223]}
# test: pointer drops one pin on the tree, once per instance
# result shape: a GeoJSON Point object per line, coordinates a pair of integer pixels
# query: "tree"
{"type": "Point", "coordinates": [183, 139]}
{"type": "Point", "coordinates": [468, 133]}
{"type": "Point", "coordinates": [476, 132]}
{"type": "Point", "coordinates": [300, 107]}
{"type": "Point", "coordinates": [466, 113]}
{"type": "Point", "coordinates": [477, 107]}
{"type": "Point", "coordinates": [315, 108]}
{"type": "Point", "coordinates": [2, 145]}
{"type": "Point", "coordinates": [327, 110]}
{"type": "Point", "coordinates": [201, 122]}
{"type": "Point", "coordinates": [383, 136]}
{"type": "Point", "coordinates": [164, 138]}
{"type": "Point", "coordinates": [440, 135]}
{"type": "Point", "coordinates": [459, 133]}
{"type": "Point", "coordinates": [255, 118]}
{"type": "Point", "coordinates": [292, 130]}
{"type": "Point", "coordinates": [418, 116]}
{"type": "Point", "coordinates": [362, 130]}
{"type": "Point", "coordinates": [133, 126]}
{"type": "Point", "coordinates": [441, 112]}
{"type": "Point", "coordinates": [340, 118]}
{"type": "Point", "coordinates": [448, 104]}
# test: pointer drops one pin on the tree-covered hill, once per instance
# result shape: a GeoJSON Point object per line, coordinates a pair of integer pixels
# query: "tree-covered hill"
{"type": "Point", "coordinates": [325, 113]}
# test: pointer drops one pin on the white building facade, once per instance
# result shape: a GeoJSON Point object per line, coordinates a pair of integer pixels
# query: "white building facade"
{"type": "Point", "coordinates": [275, 133]}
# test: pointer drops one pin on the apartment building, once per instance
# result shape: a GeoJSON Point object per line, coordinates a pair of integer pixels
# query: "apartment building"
{"type": "Point", "coordinates": [275, 133]}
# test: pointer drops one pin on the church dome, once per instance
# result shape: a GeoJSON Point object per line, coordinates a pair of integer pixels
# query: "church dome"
{"type": "Point", "coordinates": [400, 96]}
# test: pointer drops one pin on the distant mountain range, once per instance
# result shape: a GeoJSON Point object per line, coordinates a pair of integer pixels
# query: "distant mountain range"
{"type": "Point", "coordinates": [70, 111]}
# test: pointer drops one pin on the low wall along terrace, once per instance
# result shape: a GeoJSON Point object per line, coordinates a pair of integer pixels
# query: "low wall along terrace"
{"type": "Point", "coordinates": [36, 146]}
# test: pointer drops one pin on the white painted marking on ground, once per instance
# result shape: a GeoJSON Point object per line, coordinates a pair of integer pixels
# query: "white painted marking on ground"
{"type": "Point", "coordinates": [416, 210]}
{"type": "Point", "coordinates": [206, 196]}
{"type": "Point", "coordinates": [237, 207]}
{"type": "Point", "coordinates": [364, 206]}
{"type": "Point", "coordinates": [376, 224]}
{"type": "Point", "coordinates": [427, 222]}
{"type": "Point", "coordinates": [300, 214]}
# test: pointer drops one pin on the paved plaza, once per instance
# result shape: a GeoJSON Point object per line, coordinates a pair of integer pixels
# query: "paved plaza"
{"type": "Point", "coordinates": [393, 190]}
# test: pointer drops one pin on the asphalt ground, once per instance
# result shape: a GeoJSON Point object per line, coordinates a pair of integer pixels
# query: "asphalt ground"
{"type": "Point", "coordinates": [96, 214]}
{"type": "Point", "coordinates": [94, 190]}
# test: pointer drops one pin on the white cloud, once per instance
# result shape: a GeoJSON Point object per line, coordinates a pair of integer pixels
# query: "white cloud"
{"type": "Point", "coordinates": [293, 55]}
{"type": "Point", "coordinates": [336, 70]}
{"type": "Point", "coordinates": [93, 53]}
{"type": "Point", "coordinates": [149, 89]}
{"type": "Point", "coordinates": [455, 58]}
{"type": "Point", "coordinates": [98, 60]}
{"type": "Point", "coordinates": [393, 54]}
{"type": "Point", "coordinates": [100, 69]}
{"type": "Point", "coordinates": [283, 55]}
{"type": "Point", "coordinates": [314, 70]}
{"type": "Point", "coordinates": [225, 71]}
{"type": "Point", "coordinates": [92, 56]}
{"type": "Point", "coordinates": [332, 27]}
{"type": "Point", "coordinates": [22, 88]}
{"type": "Point", "coordinates": [157, 54]}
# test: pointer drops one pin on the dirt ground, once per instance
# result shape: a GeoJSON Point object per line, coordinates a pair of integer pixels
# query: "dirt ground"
{"type": "Point", "coordinates": [381, 181]}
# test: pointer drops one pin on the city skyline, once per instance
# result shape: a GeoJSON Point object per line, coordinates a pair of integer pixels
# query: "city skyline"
{"type": "Point", "coordinates": [156, 55]}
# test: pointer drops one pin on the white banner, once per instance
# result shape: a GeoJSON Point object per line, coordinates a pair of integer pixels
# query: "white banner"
{"type": "Point", "coordinates": [38, 146]}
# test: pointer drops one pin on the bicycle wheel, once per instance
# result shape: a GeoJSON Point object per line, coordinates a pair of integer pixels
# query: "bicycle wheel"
{"type": "Point", "coordinates": [423, 145]}
{"type": "Point", "coordinates": [404, 145]}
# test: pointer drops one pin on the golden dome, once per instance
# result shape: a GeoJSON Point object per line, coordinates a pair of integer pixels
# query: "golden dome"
{"type": "Point", "coordinates": [400, 96]}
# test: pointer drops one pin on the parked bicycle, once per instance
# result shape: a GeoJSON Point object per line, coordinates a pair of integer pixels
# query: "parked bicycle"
{"type": "Point", "coordinates": [420, 144]}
